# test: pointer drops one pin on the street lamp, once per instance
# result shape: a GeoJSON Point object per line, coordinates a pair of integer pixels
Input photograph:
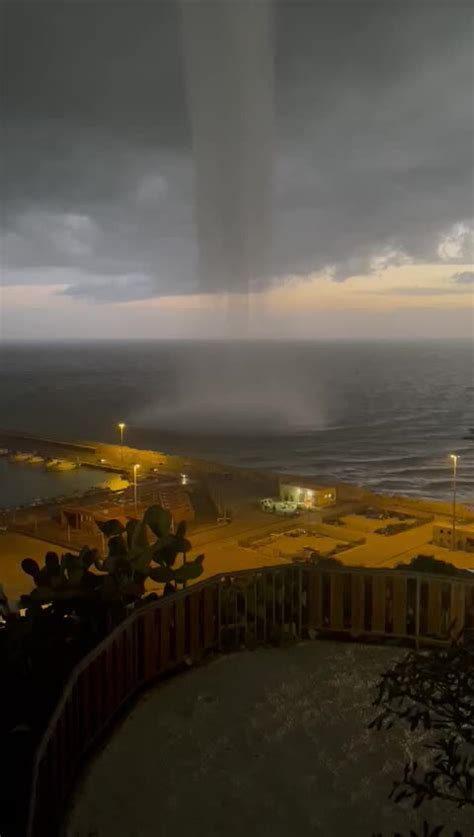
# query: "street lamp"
{"type": "Point", "coordinates": [121, 427]}
{"type": "Point", "coordinates": [135, 469]}
{"type": "Point", "coordinates": [454, 458]}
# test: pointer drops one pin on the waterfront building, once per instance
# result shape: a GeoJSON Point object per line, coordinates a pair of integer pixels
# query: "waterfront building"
{"type": "Point", "coordinates": [307, 494]}
{"type": "Point", "coordinates": [443, 536]}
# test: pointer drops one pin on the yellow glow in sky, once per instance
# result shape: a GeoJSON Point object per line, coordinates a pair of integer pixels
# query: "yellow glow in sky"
{"type": "Point", "coordinates": [301, 306]}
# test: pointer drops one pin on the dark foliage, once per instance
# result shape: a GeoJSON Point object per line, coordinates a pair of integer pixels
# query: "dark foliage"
{"type": "Point", "coordinates": [75, 601]}
{"type": "Point", "coordinates": [428, 831]}
{"type": "Point", "coordinates": [430, 564]}
{"type": "Point", "coordinates": [434, 691]}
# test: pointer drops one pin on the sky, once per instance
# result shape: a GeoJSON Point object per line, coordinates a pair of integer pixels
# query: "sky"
{"type": "Point", "coordinates": [211, 169]}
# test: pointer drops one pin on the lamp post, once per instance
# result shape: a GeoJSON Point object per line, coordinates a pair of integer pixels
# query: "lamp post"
{"type": "Point", "coordinates": [135, 469]}
{"type": "Point", "coordinates": [121, 427]}
{"type": "Point", "coordinates": [454, 458]}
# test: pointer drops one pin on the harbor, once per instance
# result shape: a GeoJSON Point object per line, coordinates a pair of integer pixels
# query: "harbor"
{"type": "Point", "coordinates": [22, 484]}
{"type": "Point", "coordinates": [240, 518]}
{"type": "Point", "coordinates": [34, 471]}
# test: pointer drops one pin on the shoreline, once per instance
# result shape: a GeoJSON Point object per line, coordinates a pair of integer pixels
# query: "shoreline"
{"type": "Point", "coordinates": [120, 460]}
{"type": "Point", "coordinates": [229, 526]}
{"type": "Point", "coordinates": [26, 486]}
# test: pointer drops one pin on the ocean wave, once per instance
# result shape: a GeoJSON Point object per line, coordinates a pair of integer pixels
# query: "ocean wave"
{"type": "Point", "coordinates": [386, 418]}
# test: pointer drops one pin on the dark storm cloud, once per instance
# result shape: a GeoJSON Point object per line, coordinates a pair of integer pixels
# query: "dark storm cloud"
{"type": "Point", "coordinates": [373, 144]}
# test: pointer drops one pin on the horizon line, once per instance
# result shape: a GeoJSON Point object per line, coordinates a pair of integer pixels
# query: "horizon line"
{"type": "Point", "coordinates": [464, 339]}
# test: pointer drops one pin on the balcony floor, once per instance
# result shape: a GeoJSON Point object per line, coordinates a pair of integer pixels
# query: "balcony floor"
{"type": "Point", "coordinates": [270, 742]}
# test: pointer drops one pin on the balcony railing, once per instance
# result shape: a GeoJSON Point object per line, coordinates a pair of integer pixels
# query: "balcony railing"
{"type": "Point", "coordinates": [225, 613]}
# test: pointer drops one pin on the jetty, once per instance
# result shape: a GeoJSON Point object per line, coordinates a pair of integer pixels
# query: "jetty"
{"type": "Point", "coordinates": [226, 481]}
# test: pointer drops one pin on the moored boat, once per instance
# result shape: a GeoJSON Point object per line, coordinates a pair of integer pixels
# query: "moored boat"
{"type": "Point", "coordinates": [18, 456]}
{"type": "Point", "coordinates": [35, 459]}
{"type": "Point", "coordinates": [61, 465]}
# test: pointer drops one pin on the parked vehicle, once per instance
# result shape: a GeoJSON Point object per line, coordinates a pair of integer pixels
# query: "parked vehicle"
{"type": "Point", "coordinates": [35, 459]}
{"type": "Point", "coordinates": [284, 507]}
{"type": "Point", "coordinates": [279, 506]}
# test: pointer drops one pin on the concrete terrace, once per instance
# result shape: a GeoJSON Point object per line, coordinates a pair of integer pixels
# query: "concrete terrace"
{"type": "Point", "coordinates": [273, 741]}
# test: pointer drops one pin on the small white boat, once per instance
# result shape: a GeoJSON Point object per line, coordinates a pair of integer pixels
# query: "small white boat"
{"type": "Point", "coordinates": [35, 459]}
{"type": "Point", "coordinates": [61, 465]}
{"type": "Point", "coordinates": [18, 456]}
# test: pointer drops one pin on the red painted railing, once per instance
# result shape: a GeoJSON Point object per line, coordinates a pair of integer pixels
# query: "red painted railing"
{"type": "Point", "coordinates": [226, 613]}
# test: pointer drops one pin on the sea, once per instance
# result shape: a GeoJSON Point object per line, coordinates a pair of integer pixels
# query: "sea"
{"type": "Point", "coordinates": [386, 415]}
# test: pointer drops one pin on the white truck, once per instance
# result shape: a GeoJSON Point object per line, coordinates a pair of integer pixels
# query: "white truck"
{"type": "Point", "coordinates": [278, 506]}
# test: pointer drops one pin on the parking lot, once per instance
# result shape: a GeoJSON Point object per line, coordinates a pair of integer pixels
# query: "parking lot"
{"type": "Point", "coordinates": [254, 538]}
